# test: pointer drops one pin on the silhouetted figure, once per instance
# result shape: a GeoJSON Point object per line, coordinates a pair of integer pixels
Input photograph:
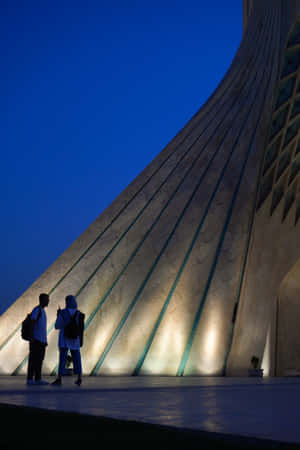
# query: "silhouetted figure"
{"type": "Point", "coordinates": [38, 342]}
{"type": "Point", "coordinates": [70, 322]}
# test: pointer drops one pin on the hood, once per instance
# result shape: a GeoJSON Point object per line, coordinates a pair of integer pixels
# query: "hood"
{"type": "Point", "coordinates": [71, 302]}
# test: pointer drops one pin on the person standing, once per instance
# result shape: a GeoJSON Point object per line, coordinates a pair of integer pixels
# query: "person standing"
{"type": "Point", "coordinates": [38, 342]}
{"type": "Point", "coordinates": [70, 322]}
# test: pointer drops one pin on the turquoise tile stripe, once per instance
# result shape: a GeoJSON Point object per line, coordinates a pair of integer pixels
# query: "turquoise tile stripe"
{"type": "Point", "coordinates": [115, 334]}
{"type": "Point", "coordinates": [127, 313]}
{"type": "Point", "coordinates": [20, 366]}
{"type": "Point", "coordinates": [54, 287]}
{"type": "Point", "coordinates": [115, 218]}
{"type": "Point", "coordinates": [123, 235]}
{"type": "Point", "coordinates": [100, 304]}
{"type": "Point", "coordinates": [134, 253]}
{"type": "Point", "coordinates": [243, 44]}
{"type": "Point", "coordinates": [12, 334]}
{"type": "Point", "coordinates": [185, 260]}
{"type": "Point", "coordinates": [118, 329]}
{"type": "Point", "coordinates": [148, 232]}
{"type": "Point", "coordinates": [186, 353]}
{"type": "Point", "coordinates": [246, 252]}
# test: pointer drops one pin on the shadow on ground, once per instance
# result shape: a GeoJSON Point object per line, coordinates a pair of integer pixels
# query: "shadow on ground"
{"type": "Point", "coordinates": [39, 428]}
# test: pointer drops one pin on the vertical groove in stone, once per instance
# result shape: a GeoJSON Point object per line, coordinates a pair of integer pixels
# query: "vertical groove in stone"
{"type": "Point", "coordinates": [247, 246]}
{"type": "Point", "coordinates": [164, 308]}
{"type": "Point", "coordinates": [102, 358]}
{"type": "Point", "coordinates": [156, 255]}
{"type": "Point", "coordinates": [186, 354]}
{"type": "Point", "coordinates": [215, 98]}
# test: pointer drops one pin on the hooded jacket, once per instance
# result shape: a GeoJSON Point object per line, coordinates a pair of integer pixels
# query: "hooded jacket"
{"type": "Point", "coordinates": [63, 318]}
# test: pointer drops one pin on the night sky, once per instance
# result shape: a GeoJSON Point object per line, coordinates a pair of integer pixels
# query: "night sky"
{"type": "Point", "coordinates": [91, 92]}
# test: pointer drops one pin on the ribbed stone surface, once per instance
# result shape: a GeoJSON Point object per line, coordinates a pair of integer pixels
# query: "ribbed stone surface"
{"type": "Point", "coordinates": [180, 274]}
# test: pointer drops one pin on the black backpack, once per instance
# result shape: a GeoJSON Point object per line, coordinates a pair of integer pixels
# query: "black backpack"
{"type": "Point", "coordinates": [72, 329]}
{"type": "Point", "coordinates": [28, 325]}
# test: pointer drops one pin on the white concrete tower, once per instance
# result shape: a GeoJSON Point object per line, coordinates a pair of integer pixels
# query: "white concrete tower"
{"type": "Point", "coordinates": [193, 269]}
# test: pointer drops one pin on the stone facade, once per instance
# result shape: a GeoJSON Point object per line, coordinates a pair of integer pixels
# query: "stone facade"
{"type": "Point", "coordinates": [181, 274]}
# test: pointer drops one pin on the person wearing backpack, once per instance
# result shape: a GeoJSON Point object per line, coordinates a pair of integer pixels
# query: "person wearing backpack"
{"type": "Point", "coordinates": [70, 323]}
{"type": "Point", "coordinates": [37, 341]}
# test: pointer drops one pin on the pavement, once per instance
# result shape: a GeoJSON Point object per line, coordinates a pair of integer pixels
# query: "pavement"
{"type": "Point", "coordinates": [255, 410]}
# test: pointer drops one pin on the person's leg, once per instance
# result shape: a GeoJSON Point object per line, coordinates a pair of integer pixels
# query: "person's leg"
{"type": "Point", "coordinates": [35, 357]}
{"type": "Point", "coordinates": [77, 365]}
{"type": "Point", "coordinates": [30, 369]}
{"type": "Point", "coordinates": [63, 352]}
{"type": "Point", "coordinates": [39, 357]}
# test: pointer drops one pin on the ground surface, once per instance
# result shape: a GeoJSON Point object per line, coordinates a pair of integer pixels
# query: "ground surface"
{"type": "Point", "coordinates": [250, 408]}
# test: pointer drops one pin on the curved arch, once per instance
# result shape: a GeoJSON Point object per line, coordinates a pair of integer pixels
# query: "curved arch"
{"type": "Point", "coordinates": [288, 336]}
{"type": "Point", "coordinates": [281, 167]}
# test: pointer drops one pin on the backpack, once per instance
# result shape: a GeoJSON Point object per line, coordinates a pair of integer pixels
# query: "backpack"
{"type": "Point", "coordinates": [28, 325]}
{"type": "Point", "coordinates": [72, 329]}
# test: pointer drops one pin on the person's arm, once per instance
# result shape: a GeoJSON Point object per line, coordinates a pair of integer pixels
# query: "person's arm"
{"type": "Point", "coordinates": [35, 315]}
{"type": "Point", "coordinates": [60, 322]}
{"type": "Point", "coordinates": [81, 325]}
{"type": "Point", "coordinates": [32, 325]}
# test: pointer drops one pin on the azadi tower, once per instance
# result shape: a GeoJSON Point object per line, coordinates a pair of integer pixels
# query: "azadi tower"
{"type": "Point", "coordinates": [195, 267]}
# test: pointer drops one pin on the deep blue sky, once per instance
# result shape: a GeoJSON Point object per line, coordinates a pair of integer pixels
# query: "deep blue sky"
{"type": "Point", "coordinates": [91, 92]}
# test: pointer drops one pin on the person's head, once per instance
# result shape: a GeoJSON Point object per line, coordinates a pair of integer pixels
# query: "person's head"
{"type": "Point", "coordinates": [71, 302]}
{"type": "Point", "coordinates": [44, 300]}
